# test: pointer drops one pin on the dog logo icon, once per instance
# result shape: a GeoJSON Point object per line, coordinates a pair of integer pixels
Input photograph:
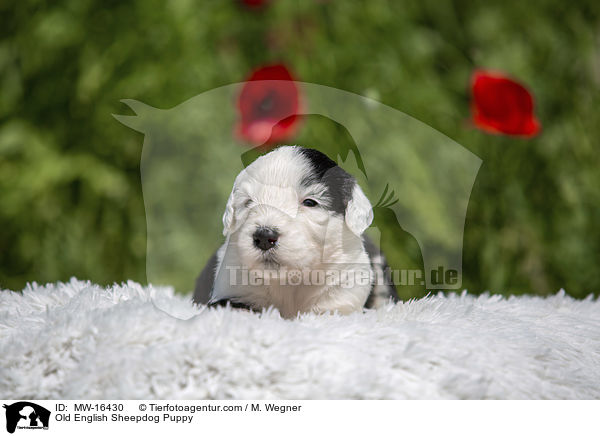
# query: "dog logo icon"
{"type": "Point", "coordinates": [26, 415]}
{"type": "Point", "coordinates": [191, 154]}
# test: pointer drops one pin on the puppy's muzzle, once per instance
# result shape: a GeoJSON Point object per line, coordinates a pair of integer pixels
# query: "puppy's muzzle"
{"type": "Point", "coordinates": [265, 238]}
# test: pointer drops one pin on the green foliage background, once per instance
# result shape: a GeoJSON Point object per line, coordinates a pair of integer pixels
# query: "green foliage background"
{"type": "Point", "coordinates": [70, 192]}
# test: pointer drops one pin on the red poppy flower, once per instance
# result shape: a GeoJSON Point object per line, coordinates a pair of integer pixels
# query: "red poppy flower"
{"type": "Point", "coordinates": [268, 106]}
{"type": "Point", "coordinates": [255, 3]}
{"type": "Point", "coordinates": [501, 105]}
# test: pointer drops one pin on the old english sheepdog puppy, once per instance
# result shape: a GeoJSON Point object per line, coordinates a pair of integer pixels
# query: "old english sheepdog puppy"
{"type": "Point", "coordinates": [294, 226]}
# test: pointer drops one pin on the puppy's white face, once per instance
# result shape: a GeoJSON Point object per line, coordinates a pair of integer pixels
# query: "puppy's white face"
{"type": "Point", "coordinates": [293, 207]}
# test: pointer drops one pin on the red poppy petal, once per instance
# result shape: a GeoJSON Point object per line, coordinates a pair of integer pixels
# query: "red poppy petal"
{"type": "Point", "coordinates": [502, 105]}
{"type": "Point", "coordinates": [268, 106]}
{"type": "Point", "coordinates": [255, 3]}
{"type": "Point", "coordinates": [271, 72]}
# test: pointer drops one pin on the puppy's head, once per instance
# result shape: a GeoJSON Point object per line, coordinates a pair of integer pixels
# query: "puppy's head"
{"type": "Point", "coordinates": [291, 207]}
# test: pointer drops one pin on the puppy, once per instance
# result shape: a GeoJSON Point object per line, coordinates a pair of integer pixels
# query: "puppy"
{"type": "Point", "coordinates": [294, 226]}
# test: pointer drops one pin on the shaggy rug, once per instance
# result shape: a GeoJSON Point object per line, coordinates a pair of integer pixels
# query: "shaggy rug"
{"type": "Point", "coordinates": [79, 340]}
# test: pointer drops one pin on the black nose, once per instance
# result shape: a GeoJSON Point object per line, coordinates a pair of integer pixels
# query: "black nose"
{"type": "Point", "coordinates": [265, 238]}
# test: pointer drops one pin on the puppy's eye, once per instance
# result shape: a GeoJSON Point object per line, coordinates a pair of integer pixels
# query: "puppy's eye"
{"type": "Point", "coordinates": [248, 203]}
{"type": "Point", "coordinates": [309, 202]}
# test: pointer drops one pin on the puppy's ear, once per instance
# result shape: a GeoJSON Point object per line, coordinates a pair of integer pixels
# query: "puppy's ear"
{"type": "Point", "coordinates": [228, 215]}
{"type": "Point", "coordinates": [359, 212]}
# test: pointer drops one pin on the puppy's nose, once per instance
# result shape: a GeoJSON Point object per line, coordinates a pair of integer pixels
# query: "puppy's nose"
{"type": "Point", "coordinates": [265, 238]}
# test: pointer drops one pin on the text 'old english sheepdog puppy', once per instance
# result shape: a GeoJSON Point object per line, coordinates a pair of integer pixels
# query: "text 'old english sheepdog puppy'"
{"type": "Point", "coordinates": [294, 226]}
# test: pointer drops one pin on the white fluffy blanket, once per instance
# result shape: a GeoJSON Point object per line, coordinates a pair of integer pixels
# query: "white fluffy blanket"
{"type": "Point", "coordinates": [79, 340]}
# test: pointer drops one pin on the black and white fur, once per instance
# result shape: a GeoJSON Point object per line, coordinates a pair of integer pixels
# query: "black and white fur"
{"type": "Point", "coordinates": [319, 214]}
